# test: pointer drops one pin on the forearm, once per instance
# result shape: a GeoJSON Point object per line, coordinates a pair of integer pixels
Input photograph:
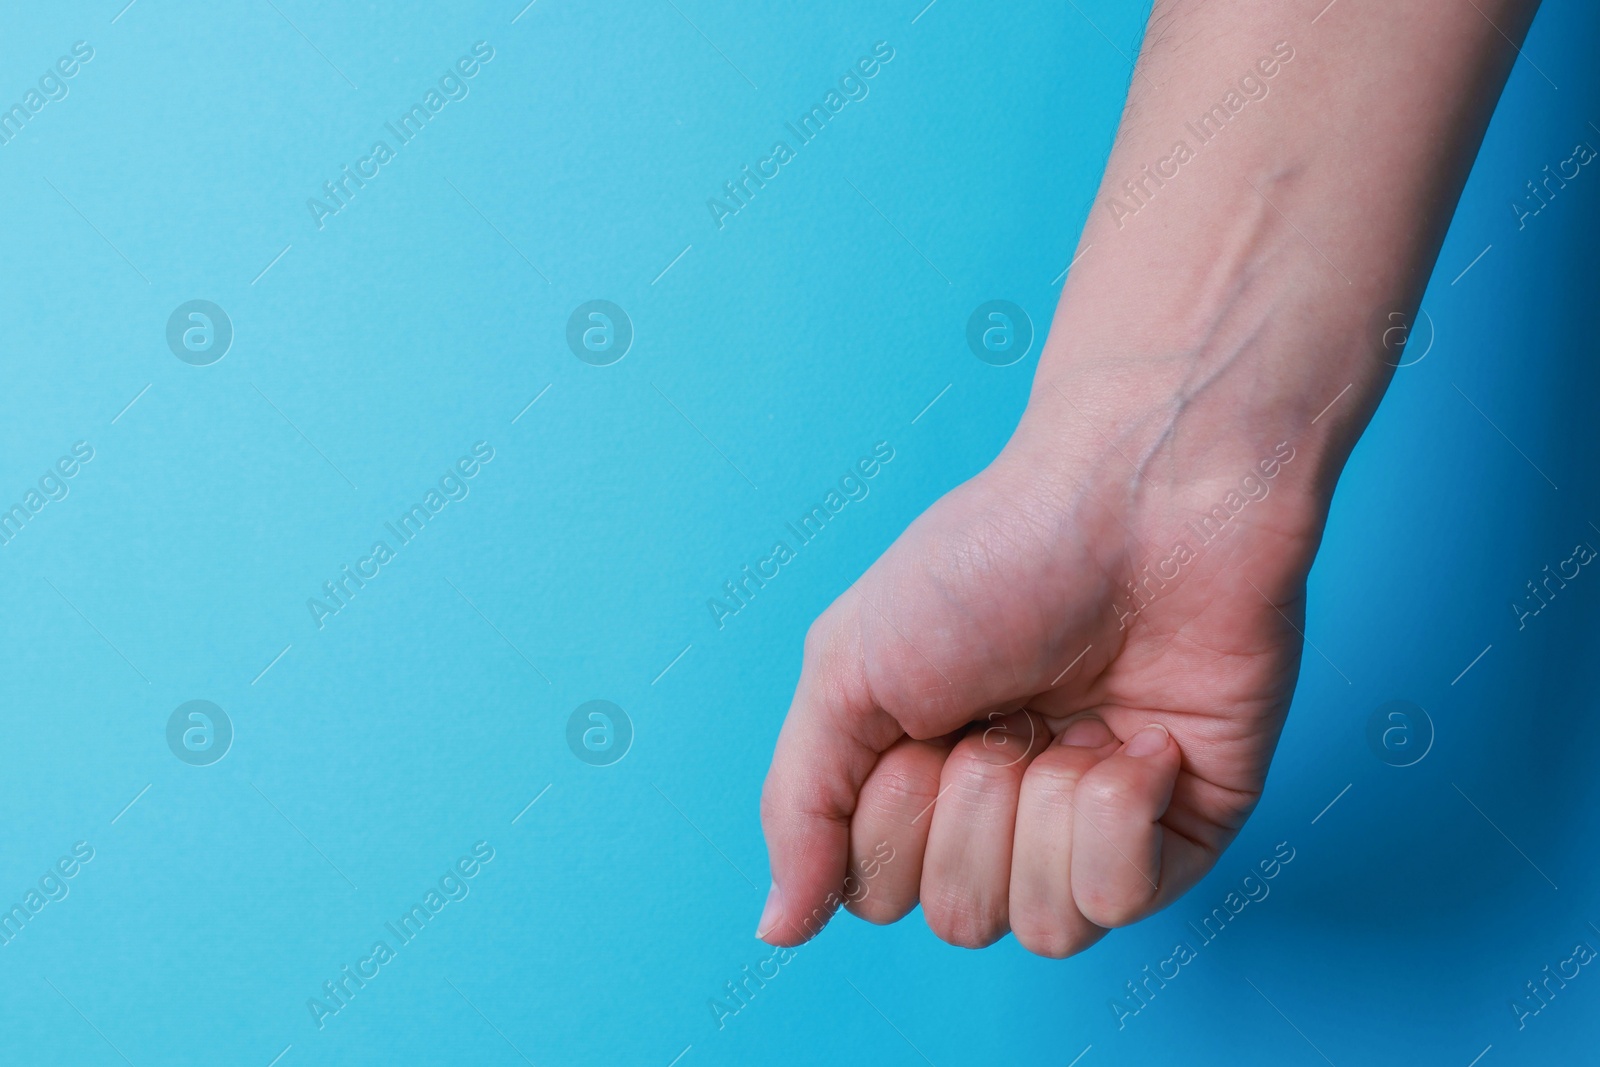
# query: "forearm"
{"type": "Point", "coordinates": [1271, 211]}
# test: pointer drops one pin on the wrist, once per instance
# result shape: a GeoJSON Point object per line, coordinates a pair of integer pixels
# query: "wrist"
{"type": "Point", "coordinates": [1179, 380]}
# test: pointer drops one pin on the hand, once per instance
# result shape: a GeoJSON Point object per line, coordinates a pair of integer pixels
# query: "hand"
{"type": "Point", "coordinates": [1040, 748]}
{"type": "Point", "coordinates": [1051, 704]}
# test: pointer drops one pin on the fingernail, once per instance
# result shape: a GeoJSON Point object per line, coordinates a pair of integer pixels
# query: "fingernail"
{"type": "Point", "coordinates": [1148, 742]}
{"type": "Point", "coordinates": [770, 913]}
{"type": "Point", "coordinates": [1087, 732]}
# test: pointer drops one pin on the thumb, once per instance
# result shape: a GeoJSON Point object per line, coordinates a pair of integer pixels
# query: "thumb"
{"type": "Point", "coordinates": [830, 742]}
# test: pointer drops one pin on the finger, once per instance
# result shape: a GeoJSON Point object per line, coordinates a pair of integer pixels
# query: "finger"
{"type": "Point", "coordinates": [1118, 842]}
{"type": "Point", "coordinates": [1044, 916]}
{"type": "Point", "coordinates": [829, 744]}
{"type": "Point", "coordinates": [889, 832]}
{"type": "Point", "coordinates": [967, 869]}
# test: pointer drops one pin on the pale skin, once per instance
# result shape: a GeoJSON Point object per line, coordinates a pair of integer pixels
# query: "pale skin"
{"type": "Point", "coordinates": [1041, 748]}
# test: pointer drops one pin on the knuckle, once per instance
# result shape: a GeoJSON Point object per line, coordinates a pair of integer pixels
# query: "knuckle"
{"type": "Point", "coordinates": [974, 780]}
{"type": "Point", "coordinates": [910, 688]}
{"type": "Point", "coordinates": [1051, 941]}
{"type": "Point", "coordinates": [1107, 792]}
{"type": "Point", "coordinates": [923, 719]}
{"type": "Point", "coordinates": [827, 643]}
{"type": "Point", "coordinates": [905, 688]}
{"type": "Point", "coordinates": [774, 797]}
{"type": "Point", "coordinates": [1111, 910]}
{"type": "Point", "coordinates": [878, 909]}
{"type": "Point", "coordinates": [1053, 782]}
{"type": "Point", "coordinates": [769, 808]}
{"type": "Point", "coordinates": [964, 931]}
{"type": "Point", "coordinates": [784, 799]}
{"type": "Point", "coordinates": [963, 922]}
{"type": "Point", "coordinates": [818, 636]}
{"type": "Point", "coordinates": [900, 791]}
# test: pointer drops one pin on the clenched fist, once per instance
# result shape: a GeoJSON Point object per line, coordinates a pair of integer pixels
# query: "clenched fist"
{"type": "Point", "coordinates": [1052, 701]}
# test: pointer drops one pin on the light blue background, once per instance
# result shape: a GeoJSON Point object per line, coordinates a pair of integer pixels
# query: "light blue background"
{"type": "Point", "coordinates": [821, 319]}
